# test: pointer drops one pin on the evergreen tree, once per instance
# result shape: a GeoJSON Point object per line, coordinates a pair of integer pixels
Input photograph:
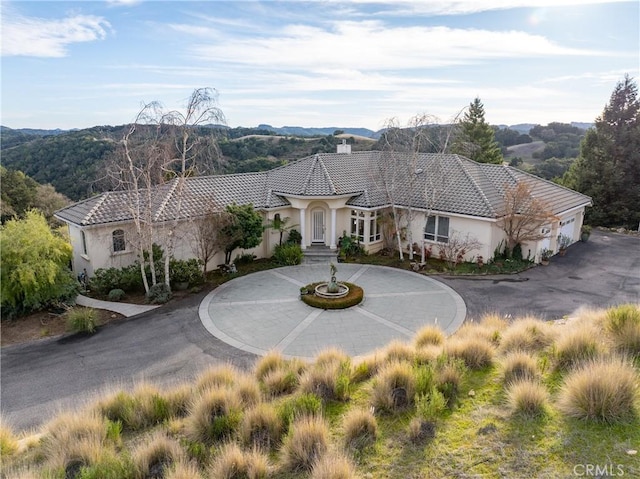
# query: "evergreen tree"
{"type": "Point", "coordinates": [476, 138]}
{"type": "Point", "coordinates": [608, 168]}
{"type": "Point", "coordinates": [244, 231]}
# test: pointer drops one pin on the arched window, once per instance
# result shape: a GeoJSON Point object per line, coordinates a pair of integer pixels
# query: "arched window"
{"type": "Point", "coordinates": [118, 241]}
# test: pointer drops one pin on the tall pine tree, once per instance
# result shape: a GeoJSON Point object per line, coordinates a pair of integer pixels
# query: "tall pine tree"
{"type": "Point", "coordinates": [608, 168]}
{"type": "Point", "coordinates": [476, 138]}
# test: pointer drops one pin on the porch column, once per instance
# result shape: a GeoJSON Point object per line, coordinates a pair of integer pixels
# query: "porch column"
{"type": "Point", "coordinates": [303, 227]}
{"type": "Point", "coordinates": [333, 229]}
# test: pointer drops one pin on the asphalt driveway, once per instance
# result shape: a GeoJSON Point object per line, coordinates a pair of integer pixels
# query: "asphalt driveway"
{"type": "Point", "coordinates": [171, 345]}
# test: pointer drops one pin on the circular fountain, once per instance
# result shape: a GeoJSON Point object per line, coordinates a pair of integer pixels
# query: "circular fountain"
{"type": "Point", "coordinates": [332, 294]}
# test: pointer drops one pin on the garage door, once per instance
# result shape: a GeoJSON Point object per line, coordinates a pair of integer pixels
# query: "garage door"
{"type": "Point", "coordinates": [567, 228]}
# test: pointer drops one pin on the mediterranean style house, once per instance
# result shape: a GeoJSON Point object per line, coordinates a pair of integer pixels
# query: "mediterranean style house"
{"type": "Point", "coordinates": [328, 195]}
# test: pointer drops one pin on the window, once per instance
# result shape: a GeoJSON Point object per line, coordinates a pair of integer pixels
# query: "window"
{"type": "Point", "coordinates": [118, 241]}
{"type": "Point", "coordinates": [374, 226]}
{"type": "Point", "coordinates": [84, 242]}
{"type": "Point", "coordinates": [357, 225]}
{"type": "Point", "coordinates": [437, 229]}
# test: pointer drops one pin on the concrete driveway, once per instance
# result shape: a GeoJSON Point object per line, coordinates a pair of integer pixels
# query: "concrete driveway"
{"type": "Point", "coordinates": [171, 345]}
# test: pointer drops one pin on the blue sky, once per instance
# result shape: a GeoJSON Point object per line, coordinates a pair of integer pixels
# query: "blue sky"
{"type": "Point", "coordinates": [323, 63]}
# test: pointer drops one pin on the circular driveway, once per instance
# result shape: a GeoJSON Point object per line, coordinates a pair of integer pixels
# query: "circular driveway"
{"type": "Point", "coordinates": [263, 311]}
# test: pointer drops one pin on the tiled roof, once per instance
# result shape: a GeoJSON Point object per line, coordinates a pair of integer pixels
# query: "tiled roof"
{"type": "Point", "coordinates": [444, 183]}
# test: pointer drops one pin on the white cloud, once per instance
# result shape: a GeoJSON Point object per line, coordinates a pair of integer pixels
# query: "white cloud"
{"type": "Point", "coordinates": [40, 37]}
{"type": "Point", "coordinates": [372, 45]}
{"type": "Point", "coordinates": [462, 7]}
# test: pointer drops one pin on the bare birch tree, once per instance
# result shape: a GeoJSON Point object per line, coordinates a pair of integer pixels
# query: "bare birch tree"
{"type": "Point", "coordinates": [160, 147]}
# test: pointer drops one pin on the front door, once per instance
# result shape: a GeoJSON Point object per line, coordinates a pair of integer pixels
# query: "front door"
{"type": "Point", "coordinates": [317, 227]}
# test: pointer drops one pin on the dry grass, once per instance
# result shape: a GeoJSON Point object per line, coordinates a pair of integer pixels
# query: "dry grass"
{"type": "Point", "coordinates": [527, 398]}
{"type": "Point", "coordinates": [365, 368]}
{"type": "Point", "coordinates": [331, 356]}
{"type": "Point", "coordinates": [360, 428]}
{"type": "Point", "coordinates": [328, 381]}
{"type": "Point", "coordinates": [428, 336]}
{"type": "Point", "coordinates": [214, 416]}
{"type": "Point", "coordinates": [527, 334]}
{"type": "Point", "coordinates": [603, 389]}
{"type": "Point", "coordinates": [272, 361]}
{"type": "Point", "coordinates": [398, 351]}
{"type": "Point", "coordinates": [575, 346]}
{"type": "Point", "coordinates": [143, 407]}
{"type": "Point", "coordinates": [449, 374]}
{"type": "Point", "coordinates": [248, 390]}
{"type": "Point", "coordinates": [475, 351]}
{"type": "Point", "coordinates": [182, 470]}
{"type": "Point", "coordinates": [217, 376]}
{"type": "Point", "coordinates": [8, 440]}
{"type": "Point", "coordinates": [231, 462]}
{"type": "Point", "coordinates": [393, 387]}
{"type": "Point", "coordinates": [156, 455]}
{"type": "Point", "coordinates": [280, 381]}
{"type": "Point", "coordinates": [420, 430]}
{"type": "Point", "coordinates": [519, 365]}
{"type": "Point", "coordinates": [306, 443]}
{"type": "Point", "coordinates": [333, 466]}
{"type": "Point", "coordinates": [261, 427]}
{"type": "Point", "coordinates": [178, 399]}
{"type": "Point", "coordinates": [623, 322]}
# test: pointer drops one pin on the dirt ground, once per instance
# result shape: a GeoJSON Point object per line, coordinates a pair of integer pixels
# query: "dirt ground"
{"type": "Point", "coordinates": [43, 325]}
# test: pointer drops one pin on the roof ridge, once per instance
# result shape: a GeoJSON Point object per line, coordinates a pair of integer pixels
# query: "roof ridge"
{"type": "Point", "coordinates": [533, 177]}
{"type": "Point", "coordinates": [164, 202]}
{"type": "Point", "coordinates": [474, 183]}
{"type": "Point", "coordinates": [327, 176]}
{"type": "Point", "coordinates": [307, 180]}
{"type": "Point", "coordinates": [95, 207]}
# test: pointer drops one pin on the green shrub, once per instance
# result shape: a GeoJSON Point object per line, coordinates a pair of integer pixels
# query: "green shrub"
{"type": "Point", "coordinates": [430, 406]}
{"type": "Point", "coordinates": [355, 296]}
{"type": "Point", "coordinates": [82, 320]}
{"type": "Point", "coordinates": [186, 271]}
{"type": "Point", "coordinates": [158, 294]}
{"type": "Point", "coordinates": [299, 405]}
{"type": "Point", "coordinates": [287, 254]}
{"type": "Point", "coordinates": [245, 258]}
{"type": "Point", "coordinates": [127, 279]}
{"type": "Point", "coordinates": [294, 237]}
{"type": "Point", "coordinates": [116, 295]}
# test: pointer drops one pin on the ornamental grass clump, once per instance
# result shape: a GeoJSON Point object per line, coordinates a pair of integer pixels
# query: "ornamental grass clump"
{"type": "Point", "coordinates": [428, 336]}
{"type": "Point", "coordinates": [330, 381]}
{"type": "Point", "coordinates": [183, 470]}
{"type": "Point", "coordinates": [527, 334]}
{"type": "Point", "coordinates": [231, 462]}
{"type": "Point", "coordinates": [603, 389]}
{"type": "Point", "coordinates": [519, 365]}
{"type": "Point", "coordinates": [623, 323]}
{"type": "Point", "coordinates": [393, 387]}
{"type": "Point", "coordinates": [156, 455]}
{"type": "Point", "coordinates": [217, 376]}
{"type": "Point", "coordinates": [82, 320]}
{"type": "Point", "coordinates": [306, 443]}
{"type": "Point", "coordinates": [360, 428]}
{"type": "Point", "coordinates": [261, 427]}
{"type": "Point", "coordinates": [476, 352]}
{"type": "Point", "coordinates": [333, 466]}
{"type": "Point", "coordinates": [527, 398]}
{"type": "Point", "coordinates": [398, 351]}
{"type": "Point", "coordinates": [448, 376]}
{"type": "Point", "coordinates": [576, 346]}
{"type": "Point", "coordinates": [214, 416]}
{"type": "Point", "coordinates": [331, 356]}
{"type": "Point", "coordinates": [8, 440]}
{"type": "Point", "coordinates": [298, 406]}
{"type": "Point", "coordinates": [248, 390]}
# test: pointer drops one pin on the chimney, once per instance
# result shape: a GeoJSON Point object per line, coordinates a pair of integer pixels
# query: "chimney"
{"type": "Point", "coordinates": [344, 148]}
